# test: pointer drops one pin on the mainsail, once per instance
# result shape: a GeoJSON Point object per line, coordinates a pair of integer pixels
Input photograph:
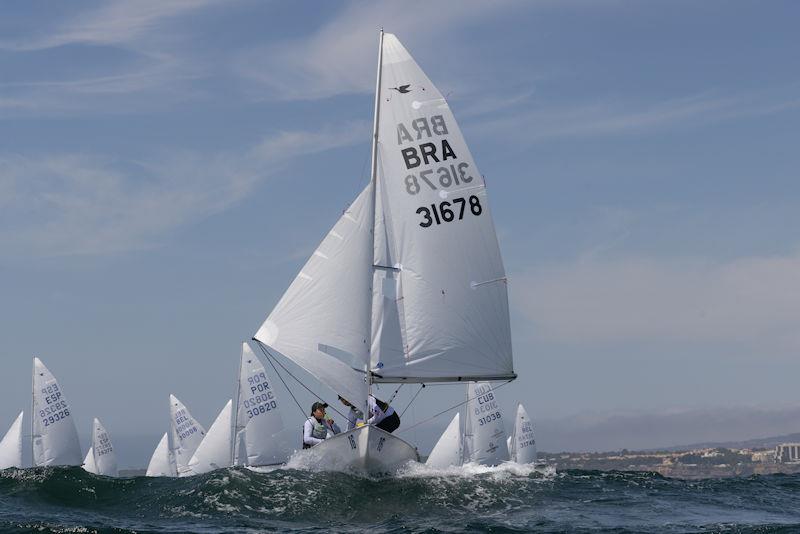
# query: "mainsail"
{"type": "Point", "coordinates": [11, 445]}
{"type": "Point", "coordinates": [522, 445]}
{"type": "Point", "coordinates": [485, 435]}
{"type": "Point", "coordinates": [448, 451]}
{"type": "Point", "coordinates": [162, 463]}
{"type": "Point", "coordinates": [435, 234]}
{"type": "Point", "coordinates": [322, 322]}
{"type": "Point", "coordinates": [101, 458]}
{"type": "Point", "coordinates": [55, 438]}
{"type": "Point", "coordinates": [260, 433]}
{"type": "Point", "coordinates": [214, 452]}
{"type": "Point", "coordinates": [186, 434]}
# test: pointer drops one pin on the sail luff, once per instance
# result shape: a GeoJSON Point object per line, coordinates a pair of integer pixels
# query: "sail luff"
{"type": "Point", "coordinates": [373, 201]}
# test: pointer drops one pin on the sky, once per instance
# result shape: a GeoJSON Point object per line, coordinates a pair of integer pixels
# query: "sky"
{"type": "Point", "coordinates": [167, 166]}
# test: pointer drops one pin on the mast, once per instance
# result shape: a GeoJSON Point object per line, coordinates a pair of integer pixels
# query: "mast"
{"type": "Point", "coordinates": [374, 181]}
{"type": "Point", "coordinates": [235, 421]}
{"type": "Point", "coordinates": [33, 411]}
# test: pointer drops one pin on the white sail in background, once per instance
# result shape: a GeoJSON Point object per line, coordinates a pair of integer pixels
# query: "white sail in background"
{"type": "Point", "coordinates": [261, 437]}
{"type": "Point", "coordinates": [522, 448]}
{"type": "Point", "coordinates": [88, 462]}
{"type": "Point", "coordinates": [485, 435]}
{"type": "Point", "coordinates": [162, 463]}
{"type": "Point", "coordinates": [11, 445]}
{"type": "Point", "coordinates": [448, 451]}
{"type": "Point", "coordinates": [101, 458]}
{"type": "Point", "coordinates": [452, 306]}
{"type": "Point", "coordinates": [55, 438]}
{"type": "Point", "coordinates": [322, 322]}
{"type": "Point", "coordinates": [214, 452]}
{"type": "Point", "coordinates": [186, 434]}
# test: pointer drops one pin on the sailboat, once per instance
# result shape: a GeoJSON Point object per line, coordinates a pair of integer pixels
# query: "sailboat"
{"type": "Point", "coordinates": [521, 443]}
{"type": "Point", "coordinates": [162, 463]}
{"type": "Point", "coordinates": [484, 429]}
{"type": "Point", "coordinates": [185, 435]}
{"type": "Point", "coordinates": [260, 435]}
{"type": "Point", "coordinates": [482, 441]}
{"type": "Point", "coordinates": [409, 285]}
{"type": "Point", "coordinates": [11, 445]}
{"type": "Point", "coordinates": [54, 436]}
{"type": "Point", "coordinates": [216, 449]}
{"type": "Point", "coordinates": [449, 450]}
{"type": "Point", "coordinates": [101, 458]}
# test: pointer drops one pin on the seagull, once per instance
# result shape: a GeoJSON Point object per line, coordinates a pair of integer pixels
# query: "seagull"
{"type": "Point", "coordinates": [402, 89]}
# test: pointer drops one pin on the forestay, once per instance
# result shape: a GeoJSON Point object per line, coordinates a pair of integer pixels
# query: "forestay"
{"type": "Point", "coordinates": [11, 445]}
{"type": "Point", "coordinates": [260, 433]}
{"type": "Point", "coordinates": [322, 322]}
{"type": "Point", "coordinates": [442, 313]}
{"type": "Point", "coordinates": [448, 451]}
{"type": "Point", "coordinates": [522, 447]}
{"type": "Point", "coordinates": [484, 432]}
{"type": "Point", "coordinates": [55, 438]}
{"type": "Point", "coordinates": [214, 452]}
{"type": "Point", "coordinates": [162, 463]}
{"type": "Point", "coordinates": [101, 458]}
{"type": "Point", "coordinates": [186, 434]}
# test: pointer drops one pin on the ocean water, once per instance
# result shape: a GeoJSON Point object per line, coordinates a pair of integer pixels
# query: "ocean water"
{"type": "Point", "coordinates": [472, 499]}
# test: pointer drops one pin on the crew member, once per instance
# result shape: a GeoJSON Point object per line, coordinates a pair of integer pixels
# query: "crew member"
{"type": "Point", "coordinates": [317, 427]}
{"type": "Point", "coordinates": [354, 416]}
{"type": "Point", "coordinates": [381, 414]}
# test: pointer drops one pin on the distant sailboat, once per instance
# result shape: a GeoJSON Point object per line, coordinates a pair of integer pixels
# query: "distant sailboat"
{"type": "Point", "coordinates": [260, 435]}
{"type": "Point", "coordinates": [484, 429]}
{"type": "Point", "coordinates": [55, 438]}
{"type": "Point", "coordinates": [185, 436]}
{"type": "Point", "coordinates": [11, 445]}
{"type": "Point", "coordinates": [162, 463]}
{"type": "Point", "coordinates": [522, 445]}
{"type": "Point", "coordinates": [101, 458]}
{"type": "Point", "coordinates": [449, 450]}
{"type": "Point", "coordinates": [409, 285]}
{"type": "Point", "coordinates": [215, 451]}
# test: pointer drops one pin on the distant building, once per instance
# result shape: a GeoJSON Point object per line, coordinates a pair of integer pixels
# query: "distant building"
{"type": "Point", "coordinates": [787, 452]}
{"type": "Point", "coordinates": [764, 457]}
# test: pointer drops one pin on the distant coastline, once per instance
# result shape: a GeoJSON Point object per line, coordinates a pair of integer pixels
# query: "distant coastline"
{"type": "Point", "coordinates": [691, 464]}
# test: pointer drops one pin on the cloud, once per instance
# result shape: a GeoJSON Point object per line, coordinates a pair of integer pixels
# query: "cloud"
{"type": "Point", "coordinates": [121, 23]}
{"type": "Point", "coordinates": [746, 302]}
{"type": "Point", "coordinates": [144, 52]}
{"type": "Point", "coordinates": [340, 57]}
{"type": "Point", "coordinates": [64, 204]}
{"type": "Point", "coordinates": [545, 122]}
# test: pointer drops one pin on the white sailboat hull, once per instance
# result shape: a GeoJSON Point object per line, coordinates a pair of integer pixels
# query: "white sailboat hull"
{"type": "Point", "coordinates": [366, 449]}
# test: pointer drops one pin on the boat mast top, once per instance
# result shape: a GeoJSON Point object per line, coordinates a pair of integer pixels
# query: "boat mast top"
{"type": "Point", "coordinates": [374, 181]}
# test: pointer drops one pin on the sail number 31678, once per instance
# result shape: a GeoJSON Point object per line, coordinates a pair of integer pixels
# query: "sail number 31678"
{"type": "Point", "coordinates": [446, 212]}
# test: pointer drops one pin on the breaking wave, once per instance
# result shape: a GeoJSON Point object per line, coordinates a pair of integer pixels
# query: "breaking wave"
{"type": "Point", "coordinates": [509, 498]}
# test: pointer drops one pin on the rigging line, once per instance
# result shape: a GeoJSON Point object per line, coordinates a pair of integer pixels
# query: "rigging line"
{"type": "Point", "coordinates": [448, 409]}
{"type": "Point", "coordinates": [269, 359]}
{"type": "Point", "coordinates": [264, 349]}
{"type": "Point", "coordinates": [421, 387]}
{"type": "Point", "coordinates": [394, 394]}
